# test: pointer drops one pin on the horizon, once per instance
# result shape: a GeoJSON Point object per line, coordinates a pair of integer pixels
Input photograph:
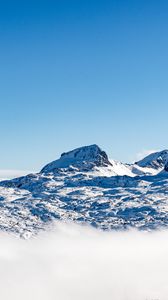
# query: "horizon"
{"type": "Point", "coordinates": [76, 73]}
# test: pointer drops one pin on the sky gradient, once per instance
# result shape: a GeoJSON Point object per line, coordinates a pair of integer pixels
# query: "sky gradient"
{"type": "Point", "coordinates": [75, 73]}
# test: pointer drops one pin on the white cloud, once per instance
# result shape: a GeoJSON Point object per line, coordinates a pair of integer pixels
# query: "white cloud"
{"type": "Point", "coordinates": [8, 174]}
{"type": "Point", "coordinates": [77, 262]}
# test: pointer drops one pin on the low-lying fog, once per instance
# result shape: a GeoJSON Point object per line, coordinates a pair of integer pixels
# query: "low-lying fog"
{"type": "Point", "coordinates": [77, 263]}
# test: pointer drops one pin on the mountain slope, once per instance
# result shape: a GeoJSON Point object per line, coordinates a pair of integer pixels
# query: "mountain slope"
{"type": "Point", "coordinates": [155, 160]}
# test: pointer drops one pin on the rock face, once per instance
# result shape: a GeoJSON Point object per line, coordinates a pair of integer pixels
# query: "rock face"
{"type": "Point", "coordinates": [155, 160]}
{"type": "Point", "coordinates": [166, 167]}
{"type": "Point", "coordinates": [82, 158]}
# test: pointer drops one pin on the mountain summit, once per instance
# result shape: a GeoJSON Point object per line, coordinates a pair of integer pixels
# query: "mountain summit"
{"type": "Point", "coordinates": [156, 160]}
{"type": "Point", "coordinates": [85, 158]}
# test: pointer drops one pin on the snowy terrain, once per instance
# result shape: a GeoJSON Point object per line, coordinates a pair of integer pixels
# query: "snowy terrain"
{"type": "Point", "coordinates": [86, 187]}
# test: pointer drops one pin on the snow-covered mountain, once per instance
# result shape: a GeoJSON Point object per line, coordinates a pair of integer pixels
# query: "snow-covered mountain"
{"type": "Point", "coordinates": [84, 158]}
{"type": "Point", "coordinates": [85, 186]}
{"type": "Point", "coordinates": [91, 159]}
{"type": "Point", "coordinates": [155, 160]}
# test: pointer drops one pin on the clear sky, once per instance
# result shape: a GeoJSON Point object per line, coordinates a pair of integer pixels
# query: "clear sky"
{"type": "Point", "coordinates": [80, 72]}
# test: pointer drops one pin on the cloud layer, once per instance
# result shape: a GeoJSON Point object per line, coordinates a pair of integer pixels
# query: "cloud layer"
{"type": "Point", "coordinates": [76, 262]}
{"type": "Point", "coordinates": [9, 174]}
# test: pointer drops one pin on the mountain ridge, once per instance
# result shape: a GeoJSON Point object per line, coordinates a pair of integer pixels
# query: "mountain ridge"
{"type": "Point", "coordinates": [154, 160]}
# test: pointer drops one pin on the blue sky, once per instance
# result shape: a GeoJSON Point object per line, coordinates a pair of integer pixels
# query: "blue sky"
{"type": "Point", "coordinates": [81, 72]}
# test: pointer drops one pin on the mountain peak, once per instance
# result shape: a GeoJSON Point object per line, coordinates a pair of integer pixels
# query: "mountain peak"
{"type": "Point", "coordinates": [85, 157]}
{"type": "Point", "coordinates": [156, 160]}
